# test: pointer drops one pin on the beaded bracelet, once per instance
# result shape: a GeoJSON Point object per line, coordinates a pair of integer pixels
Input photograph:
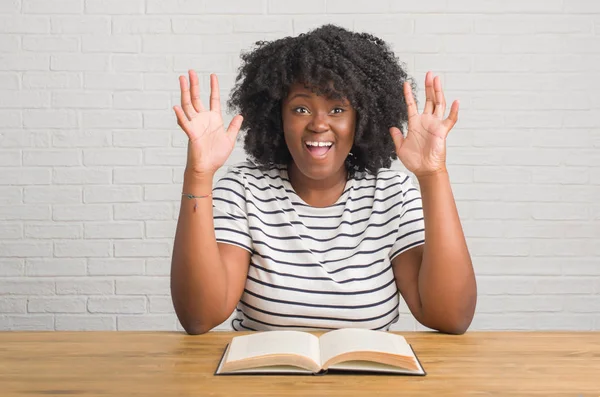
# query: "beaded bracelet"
{"type": "Point", "coordinates": [191, 196]}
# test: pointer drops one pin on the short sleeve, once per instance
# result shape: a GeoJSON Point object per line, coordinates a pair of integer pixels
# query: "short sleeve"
{"type": "Point", "coordinates": [411, 228]}
{"type": "Point", "coordinates": [229, 210]}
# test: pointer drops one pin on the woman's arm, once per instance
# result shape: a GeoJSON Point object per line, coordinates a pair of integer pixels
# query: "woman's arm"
{"type": "Point", "coordinates": [437, 280]}
{"type": "Point", "coordinates": [207, 279]}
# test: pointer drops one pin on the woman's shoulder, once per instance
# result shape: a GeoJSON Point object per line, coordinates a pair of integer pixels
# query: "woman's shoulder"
{"type": "Point", "coordinates": [251, 172]}
{"type": "Point", "coordinates": [384, 179]}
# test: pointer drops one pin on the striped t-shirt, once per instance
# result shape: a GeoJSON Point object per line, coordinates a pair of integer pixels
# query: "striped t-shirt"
{"type": "Point", "coordinates": [317, 268]}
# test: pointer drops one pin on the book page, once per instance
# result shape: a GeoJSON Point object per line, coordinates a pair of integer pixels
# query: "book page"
{"type": "Point", "coordinates": [347, 340]}
{"type": "Point", "coordinates": [274, 343]}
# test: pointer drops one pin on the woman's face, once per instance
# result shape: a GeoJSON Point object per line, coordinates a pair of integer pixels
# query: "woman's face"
{"type": "Point", "coordinates": [318, 131]}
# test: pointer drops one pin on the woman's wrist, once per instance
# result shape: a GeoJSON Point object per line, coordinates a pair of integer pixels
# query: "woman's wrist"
{"type": "Point", "coordinates": [196, 184]}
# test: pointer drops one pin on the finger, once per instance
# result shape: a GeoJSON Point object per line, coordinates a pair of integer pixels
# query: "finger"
{"type": "Point", "coordinates": [397, 137]}
{"type": "Point", "coordinates": [453, 116]}
{"type": "Point", "coordinates": [411, 106]}
{"type": "Point", "coordinates": [186, 104]}
{"type": "Point", "coordinates": [234, 127]}
{"type": "Point", "coordinates": [215, 97]}
{"type": "Point", "coordinates": [195, 91]}
{"type": "Point", "coordinates": [429, 94]}
{"type": "Point", "coordinates": [440, 100]}
{"type": "Point", "coordinates": [183, 121]}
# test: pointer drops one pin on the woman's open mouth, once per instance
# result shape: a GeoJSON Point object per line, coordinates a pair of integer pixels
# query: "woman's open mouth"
{"type": "Point", "coordinates": [318, 149]}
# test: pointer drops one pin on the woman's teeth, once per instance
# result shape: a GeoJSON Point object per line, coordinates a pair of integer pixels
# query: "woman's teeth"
{"type": "Point", "coordinates": [315, 144]}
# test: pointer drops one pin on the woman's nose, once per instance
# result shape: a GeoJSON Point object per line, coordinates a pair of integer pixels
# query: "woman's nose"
{"type": "Point", "coordinates": [319, 123]}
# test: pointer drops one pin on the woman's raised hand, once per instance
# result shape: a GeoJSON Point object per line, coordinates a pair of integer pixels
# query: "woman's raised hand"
{"type": "Point", "coordinates": [209, 144]}
{"type": "Point", "coordinates": [423, 151]}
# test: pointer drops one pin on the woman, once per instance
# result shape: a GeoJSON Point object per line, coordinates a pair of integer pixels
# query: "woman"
{"type": "Point", "coordinates": [315, 231]}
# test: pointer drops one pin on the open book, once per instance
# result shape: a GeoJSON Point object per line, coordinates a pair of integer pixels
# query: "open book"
{"type": "Point", "coordinates": [295, 352]}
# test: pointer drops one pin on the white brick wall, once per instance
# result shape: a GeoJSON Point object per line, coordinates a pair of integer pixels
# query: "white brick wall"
{"type": "Point", "coordinates": [91, 156]}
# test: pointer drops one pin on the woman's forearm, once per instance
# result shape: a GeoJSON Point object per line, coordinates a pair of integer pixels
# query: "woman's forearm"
{"type": "Point", "coordinates": [447, 285]}
{"type": "Point", "coordinates": [198, 279]}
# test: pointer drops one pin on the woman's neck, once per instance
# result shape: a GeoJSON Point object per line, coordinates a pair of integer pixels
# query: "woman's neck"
{"type": "Point", "coordinates": [318, 193]}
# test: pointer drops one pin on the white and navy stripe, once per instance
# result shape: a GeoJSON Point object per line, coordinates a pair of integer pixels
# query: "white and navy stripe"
{"type": "Point", "coordinates": [317, 268]}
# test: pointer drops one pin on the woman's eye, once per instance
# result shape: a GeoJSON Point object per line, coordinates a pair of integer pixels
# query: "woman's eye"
{"type": "Point", "coordinates": [300, 110]}
{"type": "Point", "coordinates": [337, 110]}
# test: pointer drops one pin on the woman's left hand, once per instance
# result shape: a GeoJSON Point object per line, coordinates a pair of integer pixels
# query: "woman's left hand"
{"type": "Point", "coordinates": [423, 151]}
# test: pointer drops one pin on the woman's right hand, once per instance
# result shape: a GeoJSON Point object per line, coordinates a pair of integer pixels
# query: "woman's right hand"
{"type": "Point", "coordinates": [209, 144]}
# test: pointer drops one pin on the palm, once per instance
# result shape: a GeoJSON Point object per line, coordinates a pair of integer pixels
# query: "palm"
{"type": "Point", "coordinates": [424, 148]}
{"type": "Point", "coordinates": [209, 144]}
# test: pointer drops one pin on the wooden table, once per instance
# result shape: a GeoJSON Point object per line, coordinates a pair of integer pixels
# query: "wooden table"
{"type": "Point", "coordinates": [174, 364]}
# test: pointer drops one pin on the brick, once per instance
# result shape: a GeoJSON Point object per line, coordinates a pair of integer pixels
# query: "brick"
{"type": "Point", "coordinates": [141, 139]}
{"type": "Point", "coordinates": [56, 305]}
{"type": "Point", "coordinates": [502, 322]}
{"type": "Point", "coordinates": [66, 80]}
{"type": "Point", "coordinates": [79, 138]}
{"type": "Point", "coordinates": [111, 44]}
{"type": "Point", "coordinates": [81, 25]}
{"type": "Point", "coordinates": [13, 305]}
{"type": "Point", "coordinates": [161, 229]}
{"type": "Point", "coordinates": [443, 24]}
{"type": "Point", "coordinates": [24, 248]}
{"type": "Point", "coordinates": [114, 7]}
{"type": "Point", "coordinates": [141, 25]}
{"type": "Point", "coordinates": [564, 285]}
{"type": "Point", "coordinates": [11, 195]}
{"type": "Point", "coordinates": [236, 7]}
{"type": "Point", "coordinates": [79, 62]}
{"type": "Point", "coordinates": [24, 62]}
{"type": "Point", "coordinates": [165, 156]}
{"type": "Point", "coordinates": [11, 231]}
{"type": "Point", "coordinates": [112, 81]}
{"type": "Point", "coordinates": [208, 64]}
{"type": "Point", "coordinates": [386, 24]}
{"type": "Point", "coordinates": [21, 286]}
{"type": "Point", "coordinates": [47, 157]}
{"type": "Point", "coordinates": [581, 7]}
{"type": "Point", "coordinates": [52, 194]}
{"type": "Point", "coordinates": [11, 267]}
{"type": "Point", "coordinates": [143, 286]}
{"type": "Point", "coordinates": [10, 119]}
{"type": "Point", "coordinates": [87, 212]}
{"type": "Point", "coordinates": [114, 230]}
{"type": "Point", "coordinates": [85, 323]}
{"type": "Point", "coordinates": [154, 322]}
{"type": "Point", "coordinates": [28, 322]}
{"type": "Point", "coordinates": [9, 43]}
{"type": "Point", "coordinates": [174, 7]}
{"type": "Point", "coordinates": [516, 304]}
{"type": "Point", "coordinates": [110, 119]}
{"type": "Point", "coordinates": [115, 266]}
{"type": "Point", "coordinates": [202, 25]}
{"type": "Point", "coordinates": [162, 192]}
{"type": "Point", "coordinates": [160, 119]}
{"type": "Point", "coordinates": [24, 139]}
{"type": "Point", "coordinates": [24, 99]}
{"type": "Point", "coordinates": [559, 211]}
{"type": "Point", "coordinates": [112, 194]}
{"type": "Point", "coordinates": [55, 267]}
{"type": "Point", "coordinates": [564, 322]}
{"type": "Point", "coordinates": [501, 210]}
{"type": "Point", "coordinates": [81, 176]}
{"type": "Point", "coordinates": [142, 248]}
{"type": "Point", "coordinates": [53, 230]}
{"type": "Point", "coordinates": [54, 7]}
{"type": "Point", "coordinates": [24, 24]}
{"type": "Point", "coordinates": [117, 304]}
{"type": "Point", "coordinates": [497, 175]}
{"type": "Point", "coordinates": [49, 118]}
{"type": "Point", "coordinates": [143, 211]}
{"type": "Point", "coordinates": [498, 247]}
{"type": "Point", "coordinates": [442, 63]}
{"type": "Point", "coordinates": [304, 23]}
{"type": "Point", "coordinates": [141, 100]}
{"type": "Point", "coordinates": [259, 24]}
{"type": "Point", "coordinates": [112, 157]}
{"type": "Point", "coordinates": [533, 24]}
{"type": "Point", "coordinates": [10, 7]}
{"type": "Point", "coordinates": [10, 81]}
{"type": "Point", "coordinates": [146, 175]}
{"type": "Point", "coordinates": [158, 266]}
{"type": "Point", "coordinates": [25, 212]}
{"type": "Point", "coordinates": [140, 63]}
{"type": "Point", "coordinates": [82, 248]}
{"type": "Point", "coordinates": [9, 158]}
{"type": "Point", "coordinates": [161, 304]}
{"type": "Point", "coordinates": [84, 286]}
{"type": "Point", "coordinates": [65, 99]}
{"type": "Point", "coordinates": [50, 44]}
{"type": "Point", "coordinates": [171, 44]}
{"type": "Point", "coordinates": [508, 6]}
